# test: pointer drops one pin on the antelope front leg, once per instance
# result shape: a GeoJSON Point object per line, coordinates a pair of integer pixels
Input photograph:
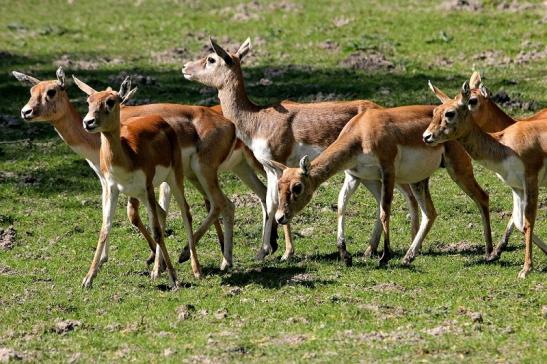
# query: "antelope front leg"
{"type": "Point", "coordinates": [289, 244]}
{"type": "Point", "coordinates": [157, 231]}
{"type": "Point", "coordinates": [375, 187]}
{"type": "Point", "coordinates": [348, 189]}
{"type": "Point", "coordinates": [422, 194]}
{"type": "Point", "coordinates": [530, 210]}
{"type": "Point", "coordinates": [388, 183]}
{"type": "Point", "coordinates": [271, 205]}
{"type": "Point", "coordinates": [109, 209]}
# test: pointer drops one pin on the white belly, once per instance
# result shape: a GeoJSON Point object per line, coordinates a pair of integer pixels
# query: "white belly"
{"type": "Point", "coordinates": [509, 170]}
{"type": "Point", "coordinates": [133, 183]}
{"type": "Point", "coordinates": [411, 165]}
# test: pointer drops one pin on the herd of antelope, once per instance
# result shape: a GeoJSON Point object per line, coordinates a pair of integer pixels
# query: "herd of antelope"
{"type": "Point", "coordinates": [297, 146]}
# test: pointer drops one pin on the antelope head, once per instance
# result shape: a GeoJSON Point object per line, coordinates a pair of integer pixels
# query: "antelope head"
{"type": "Point", "coordinates": [452, 118]}
{"type": "Point", "coordinates": [48, 99]}
{"type": "Point", "coordinates": [104, 106]}
{"type": "Point", "coordinates": [219, 67]}
{"type": "Point", "coordinates": [295, 188]}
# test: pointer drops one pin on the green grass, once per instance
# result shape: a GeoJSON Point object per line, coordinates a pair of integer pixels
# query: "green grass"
{"type": "Point", "coordinates": [311, 308]}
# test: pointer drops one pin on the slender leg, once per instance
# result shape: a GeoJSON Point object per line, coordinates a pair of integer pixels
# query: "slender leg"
{"type": "Point", "coordinates": [185, 252]}
{"type": "Point", "coordinates": [388, 183]}
{"type": "Point", "coordinates": [375, 187]}
{"type": "Point", "coordinates": [460, 169]}
{"type": "Point", "coordinates": [422, 194]}
{"type": "Point", "coordinates": [133, 215]}
{"type": "Point", "coordinates": [530, 210]}
{"type": "Point", "coordinates": [248, 176]}
{"type": "Point", "coordinates": [104, 253]}
{"type": "Point", "coordinates": [289, 245]}
{"type": "Point", "coordinates": [271, 206]}
{"type": "Point", "coordinates": [110, 198]}
{"type": "Point", "coordinates": [178, 191]}
{"type": "Point", "coordinates": [157, 231]}
{"type": "Point", "coordinates": [348, 189]}
{"type": "Point", "coordinates": [413, 208]}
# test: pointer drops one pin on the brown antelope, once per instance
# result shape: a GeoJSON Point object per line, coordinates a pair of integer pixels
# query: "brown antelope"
{"type": "Point", "coordinates": [286, 132]}
{"type": "Point", "coordinates": [490, 118]}
{"type": "Point", "coordinates": [49, 102]}
{"type": "Point", "coordinates": [517, 154]}
{"type": "Point", "coordinates": [382, 145]}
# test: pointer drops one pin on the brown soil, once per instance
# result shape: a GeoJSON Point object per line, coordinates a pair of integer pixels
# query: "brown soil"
{"type": "Point", "coordinates": [369, 60]}
{"type": "Point", "coordinates": [7, 238]}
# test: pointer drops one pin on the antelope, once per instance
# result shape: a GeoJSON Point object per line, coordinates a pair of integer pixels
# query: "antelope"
{"type": "Point", "coordinates": [49, 102]}
{"type": "Point", "coordinates": [517, 154]}
{"type": "Point", "coordinates": [137, 156]}
{"type": "Point", "coordinates": [288, 131]}
{"type": "Point", "coordinates": [379, 145]}
{"type": "Point", "coordinates": [491, 118]}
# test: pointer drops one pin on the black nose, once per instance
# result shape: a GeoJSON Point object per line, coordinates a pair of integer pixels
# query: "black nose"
{"type": "Point", "coordinates": [27, 112]}
{"type": "Point", "coordinates": [89, 123]}
{"type": "Point", "coordinates": [428, 138]}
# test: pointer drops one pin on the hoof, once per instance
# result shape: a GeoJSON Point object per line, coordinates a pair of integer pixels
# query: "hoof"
{"type": "Point", "coordinates": [370, 253]}
{"type": "Point", "coordinates": [154, 274]}
{"type": "Point", "coordinates": [184, 254]}
{"type": "Point", "coordinates": [523, 273]}
{"type": "Point", "coordinates": [287, 256]}
{"type": "Point", "coordinates": [386, 257]}
{"type": "Point", "coordinates": [261, 254]}
{"type": "Point", "coordinates": [225, 265]}
{"type": "Point", "coordinates": [407, 260]}
{"type": "Point", "coordinates": [87, 281]}
{"type": "Point", "coordinates": [492, 257]}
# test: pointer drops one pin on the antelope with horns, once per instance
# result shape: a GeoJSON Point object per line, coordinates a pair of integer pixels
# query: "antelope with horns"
{"type": "Point", "coordinates": [286, 132]}
{"type": "Point", "coordinates": [517, 154]}
{"type": "Point", "coordinates": [49, 102]}
{"type": "Point", "coordinates": [382, 145]}
{"type": "Point", "coordinates": [134, 158]}
{"type": "Point", "coordinates": [491, 119]}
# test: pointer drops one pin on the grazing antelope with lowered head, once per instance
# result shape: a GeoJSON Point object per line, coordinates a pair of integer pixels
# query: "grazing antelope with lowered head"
{"type": "Point", "coordinates": [288, 131]}
{"type": "Point", "coordinates": [517, 154]}
{"type": "Point", "coordinates": [382, 145]}
{"type": "Point", "coordinates": [49, 102]}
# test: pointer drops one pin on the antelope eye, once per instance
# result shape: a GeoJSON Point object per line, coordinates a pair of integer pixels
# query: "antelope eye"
{"type": "Point", "coordinates": [474, 101]}
{"type": "Point", "coordinates": [51, 93]}
{"type": "Point", "coordinates": [211, 60]}
{"type": "Point", "coordinates": [110, 103]}
{"type": "Point", "coordinates": [450, 114]}
{"type": "Point", "coordinates": [296, 188]}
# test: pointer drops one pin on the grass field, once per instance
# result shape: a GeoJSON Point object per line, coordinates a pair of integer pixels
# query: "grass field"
{"type": "Point", "coordinates": [449, 306]}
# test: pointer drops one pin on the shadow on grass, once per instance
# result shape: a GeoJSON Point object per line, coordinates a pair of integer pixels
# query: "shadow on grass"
{"type": "Point", "coordinates": [274, 277]}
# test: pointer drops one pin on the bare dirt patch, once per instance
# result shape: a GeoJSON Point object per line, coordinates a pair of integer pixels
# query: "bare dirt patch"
{"type": "Point", "coordinates": [9, 355]}
{"type": "Point", "coordinates": [184, 312]}
{"type": "Point", "coordinates": [330, 45]}
{"type": "Point", "coordinates": [254, 10]}
{"type": "Point", "coordinates": [516, 6]}
{"type": "Point", "coordinates": [449, 326]}
{"type": "Point", "coordinates": [7, 238]}
{"type": "Point", "coordinates": [460, 247]}
{"type": "Point", "coordinates": [245, 200]}
{"type": "Point", "coordinates": [62, 327]}
{"type": "Point", "coordinates": [69, 61]}
{"type": "Point", "coordinates": [170, 56]}
{"type": "Point", "coordinates": [400, 335]}
{"type": "Point", "coordinates": [290, 339]}
{"type": "Point", "coordinates": [516, 102]}
{"type": "Point", "coordinates": [467, 5]}
{"type": "Point", "coordinates": [6, 271]}
{"type": "Point", "coordinates": [387, 287]}
{"type": "Point", "coordinates": [370, 60]}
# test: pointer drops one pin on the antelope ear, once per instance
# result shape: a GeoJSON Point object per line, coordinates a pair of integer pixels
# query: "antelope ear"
{"type": "Point", "coordinates": [25, 79]}
{"type": "Point", "coordinates": [485, 91]}
{"type": "Point", "coordinates": [244, 49]}
{"type": "Point", "coordinates": [305, 165]}
{"type": "Point", "coordinates": [465, 92]}
{"type": "Point", "coordinates": [475, 80]}
{"type": "Point", "coordinates": [221, 52]}
{"type": "Point", "coordinates": [60, 77]}
{"type": "Point", "coordinates": [274, 167]}
{"type": "Point", "coordinates": [83, 86]}
{"type": "Point", "coordinates": [440, 95]}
